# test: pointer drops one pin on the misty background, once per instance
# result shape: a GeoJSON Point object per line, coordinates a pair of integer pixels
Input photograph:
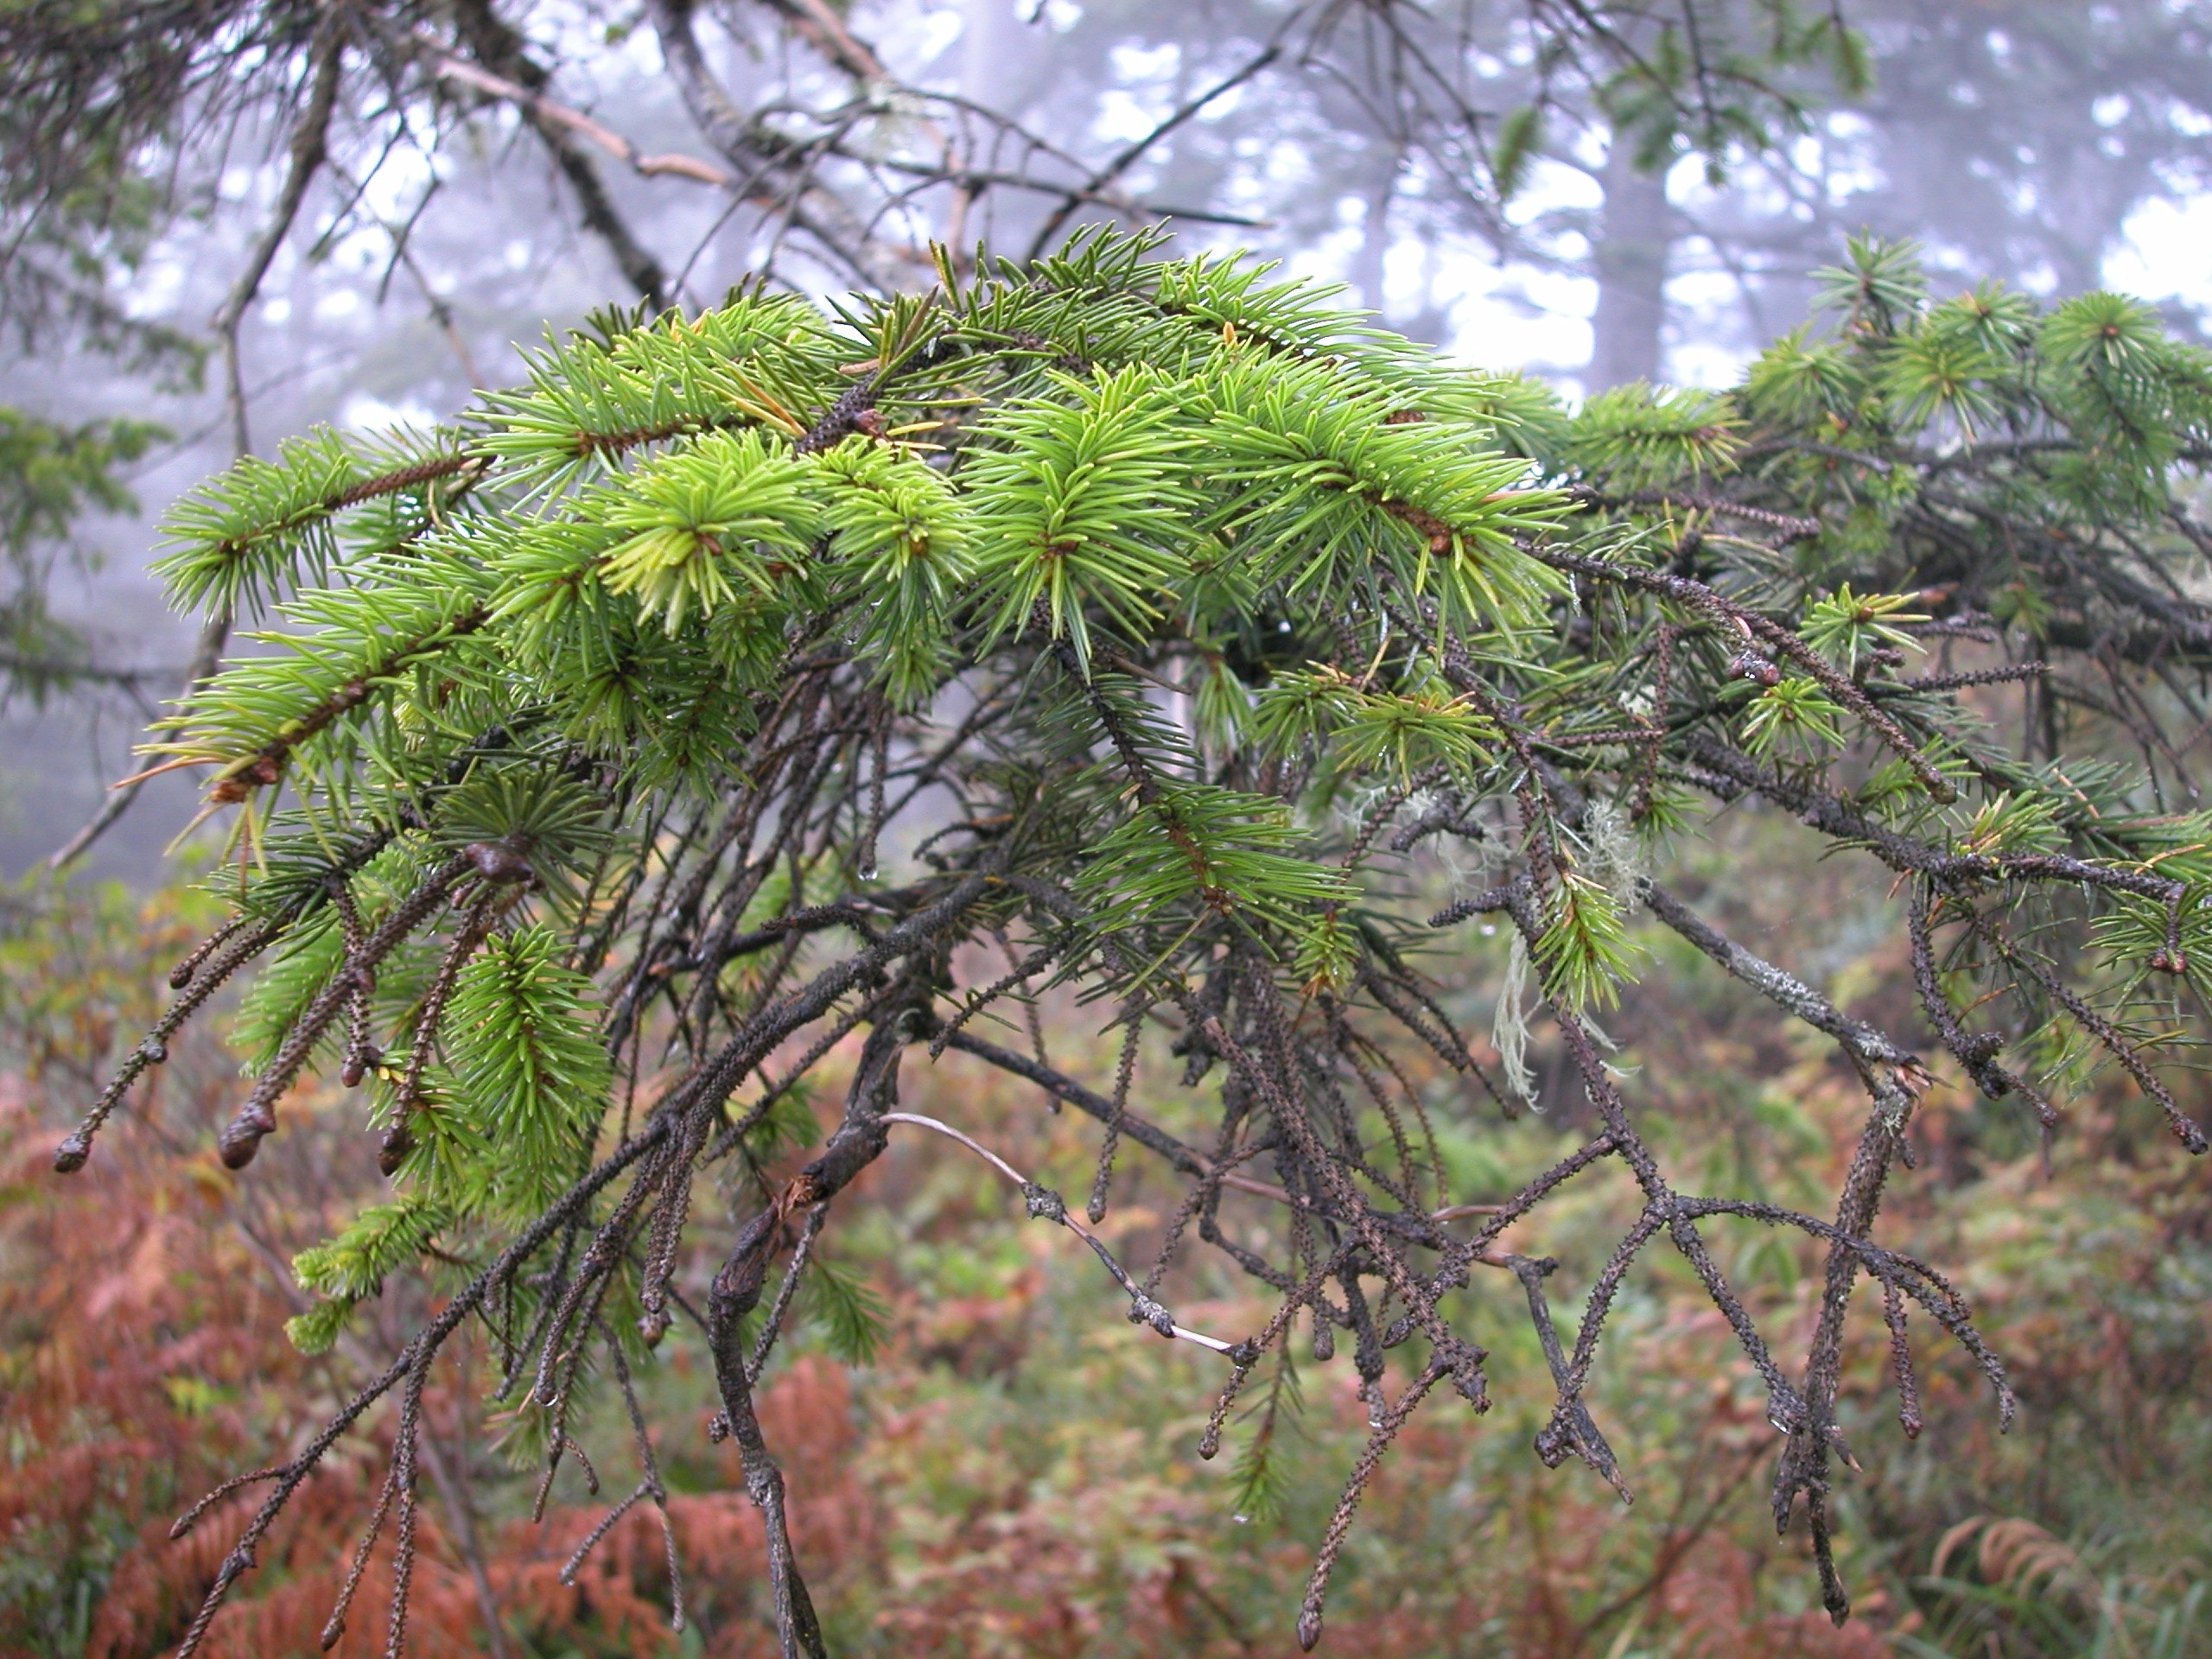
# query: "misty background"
{"type": "Point", "coordinates": [2057, 147]}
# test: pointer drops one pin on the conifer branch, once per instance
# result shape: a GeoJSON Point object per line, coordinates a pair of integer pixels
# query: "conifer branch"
{"type": "Point", "coordinates": [1193, 660]}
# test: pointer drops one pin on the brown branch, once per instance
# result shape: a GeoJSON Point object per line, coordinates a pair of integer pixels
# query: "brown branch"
{"type": "Point", "coordinates": [309, 149]}
{"type": "Point", "coordinates": [551, 114]}
{"type": "Point", "coordinates": [1137, 149]}
{"type": "Point", "coordinates": [503, 54]}
{"type": "Point", "coordinates": [240, 1560]}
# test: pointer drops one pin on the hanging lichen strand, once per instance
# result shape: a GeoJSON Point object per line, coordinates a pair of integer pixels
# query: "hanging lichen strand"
{"type": "Point", "coordinates": [1155, 621]}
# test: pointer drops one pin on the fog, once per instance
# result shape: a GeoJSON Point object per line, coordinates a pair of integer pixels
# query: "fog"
{"type": "Point", "coordinates": [2055, 147]}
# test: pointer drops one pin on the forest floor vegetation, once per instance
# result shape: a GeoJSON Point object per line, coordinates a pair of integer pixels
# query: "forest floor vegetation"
{"type": "Point", "coordinates": [1007, 1473]}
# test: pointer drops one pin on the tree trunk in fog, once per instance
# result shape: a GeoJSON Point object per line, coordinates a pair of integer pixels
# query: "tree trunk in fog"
{"type": "Point", "coordinates": [1369, 264]}
{"type": "Point", "coordinates": [999, 58]}
{"type": "Point", "coordinates": [1630, 262]}
{"type": "Point", "coordinates": [998, 55]}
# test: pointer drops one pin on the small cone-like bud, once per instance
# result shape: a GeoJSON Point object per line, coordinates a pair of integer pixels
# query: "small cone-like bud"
{"type": "Point", "coordinates": [239, 1143]}
{"type": "Point", "coordinates": [398, 1143]}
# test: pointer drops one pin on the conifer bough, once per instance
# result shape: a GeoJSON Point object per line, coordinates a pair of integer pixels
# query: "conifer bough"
{"type": "Point", "coordinates": [620, 753]}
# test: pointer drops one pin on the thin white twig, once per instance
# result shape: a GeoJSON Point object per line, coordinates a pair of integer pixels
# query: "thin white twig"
{"type": "Point", "coordinates": [1021, 1180]}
